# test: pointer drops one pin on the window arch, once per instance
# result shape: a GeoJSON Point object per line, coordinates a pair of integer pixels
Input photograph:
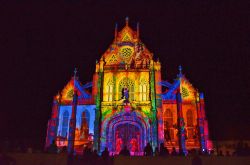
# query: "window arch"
{"type": "Point", "coordinates": [143, 90]}
{"type": "Point", "coordinates": [127, 83]}
{"type": "Point", "coordinates": [84, 125]}
{"type": "Point", "coordinates": [65, 124]}
{"type": "Point", "coordinates": [168, 118]}
{"type": "Point", "coordinates": [168, 125]}
{"type": "Point", "coordinates": [110, 90]}
{"type": "Point", "coordinates": [189, 118]}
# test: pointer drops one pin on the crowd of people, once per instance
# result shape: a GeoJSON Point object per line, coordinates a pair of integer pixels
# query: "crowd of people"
{"type": "Point", "coordinates": [105, 156]}
{"type": "Point", "coordinates": [90, 156]}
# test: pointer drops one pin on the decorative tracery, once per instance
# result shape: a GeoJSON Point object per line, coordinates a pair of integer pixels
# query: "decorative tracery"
{"type": "Point", "coordinates": [113, 59]}
{"type": "Point", "coordinates": [126, 52]}
{"type": "Point", "coordinates": [126, 37]}
{"type": "Point", "coordinates": [143, 90]}
{"type": "Point", "coordinates": [129, 84]}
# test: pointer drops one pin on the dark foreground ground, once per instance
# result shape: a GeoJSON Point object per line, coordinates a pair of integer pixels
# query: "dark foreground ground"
{"type": "Point", "coordinates": [62, 159]}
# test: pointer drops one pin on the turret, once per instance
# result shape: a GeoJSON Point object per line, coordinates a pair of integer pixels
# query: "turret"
{"type": "Point", "coordinates": [53, 122]}
{"type": "Point", "coordinates": [72, 123]}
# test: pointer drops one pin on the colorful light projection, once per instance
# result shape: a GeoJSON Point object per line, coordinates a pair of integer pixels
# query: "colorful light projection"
{"type": "Point", "coordinates": [85, 117]}
{"type": "Point", "coordinates": [126, 106]}
{"type": "Point", "coordinates": [190, 122]}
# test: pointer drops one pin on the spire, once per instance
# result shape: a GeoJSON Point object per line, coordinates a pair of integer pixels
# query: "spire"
{"type": "Point", "coordinates": [116, 25]}
{"type": "Point", "coordinates": [127, 19]}
{"type": "Point", "coordinates": [138, 29]}
{"type": "Point", "coordinates": [180, 71]}
{"type": "Point", "coordinates": [75, 72]}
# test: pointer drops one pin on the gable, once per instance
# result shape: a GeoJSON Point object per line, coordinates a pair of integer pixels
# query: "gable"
{"type": "Point", "coordinates": [126, 49]}
{"type": "Point", "coordinates": [187, 90]}
{"type": "Point", "coordinates": [68, 91]}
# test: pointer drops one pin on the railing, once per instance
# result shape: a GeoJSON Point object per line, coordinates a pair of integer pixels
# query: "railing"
{"type": "Point", "coordinates": [126, 67]}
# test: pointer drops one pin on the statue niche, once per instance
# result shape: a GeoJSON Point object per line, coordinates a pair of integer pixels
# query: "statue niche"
{"type": "Point", "coordinates": [126, 89]}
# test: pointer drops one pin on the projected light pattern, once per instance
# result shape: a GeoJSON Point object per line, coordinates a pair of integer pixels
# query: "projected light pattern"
{"type": "Point", "coordinates": [125, 105]}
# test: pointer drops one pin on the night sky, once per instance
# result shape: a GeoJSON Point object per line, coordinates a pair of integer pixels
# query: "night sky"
{"type": "Point", "coordinates": [41, 43]}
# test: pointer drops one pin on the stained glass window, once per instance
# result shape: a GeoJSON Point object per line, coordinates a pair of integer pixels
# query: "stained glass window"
{"type": "Point", "coordinates": [126, 52]}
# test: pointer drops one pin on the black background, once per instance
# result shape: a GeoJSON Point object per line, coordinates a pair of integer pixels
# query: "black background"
{"type": "Point", "coordinates": [42, 42]}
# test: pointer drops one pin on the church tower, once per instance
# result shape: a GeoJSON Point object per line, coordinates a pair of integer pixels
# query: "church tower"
{"type": "Point", "coordinates": [127, 94]}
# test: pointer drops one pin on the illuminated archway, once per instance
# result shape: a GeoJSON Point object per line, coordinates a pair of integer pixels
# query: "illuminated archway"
{"type": "Point", "coordinates": [139, 129]}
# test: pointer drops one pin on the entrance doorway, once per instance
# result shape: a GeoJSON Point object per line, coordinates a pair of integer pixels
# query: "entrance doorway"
{"type": "Point", "coordinates": [128, 135]}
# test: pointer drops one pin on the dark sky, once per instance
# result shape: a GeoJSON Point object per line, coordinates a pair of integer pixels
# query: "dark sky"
{"type": "Point", "coordinates": [41, 43]}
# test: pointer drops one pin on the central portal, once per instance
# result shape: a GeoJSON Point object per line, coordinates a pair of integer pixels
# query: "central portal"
{"type": "Point", "coordinates": [127, 135]}
{"type": "Point", "coordinates": [126, 129]}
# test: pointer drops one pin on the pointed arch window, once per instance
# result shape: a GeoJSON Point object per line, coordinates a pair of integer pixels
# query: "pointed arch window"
{"type": "Point", "coordinates": [110, 90]}
{"type": "Point", "coordinates": [168, 118]}
{"type": "Point", "coordinates": [143, 90]}
{"type": "Point", "coordinates": [129, 84]}
{"type": "Point", "coordinates": [84, 125]}
{"type": "Point", "coordinates": [65, 124]}
{"type": "Point", "coordinates": [190, 128]}
{"type": "Point", "coordinates": [189, 118]}
{"type": "Point", "coordinates": [168, 125]}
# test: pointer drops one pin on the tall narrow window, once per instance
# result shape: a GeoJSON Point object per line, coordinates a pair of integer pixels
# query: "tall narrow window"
{"type": "Point", "coordinates": [168, 125]}
{"type": "Point", "coordinates": [84, 125]}
{"type": "Point", "coordinates": [189, 118]}
{"type": "Point", "coordinates": [190, 129]}
{"type": "Point", "coordinates": [168, 118]}
{"type": "Point", "coordinates": [143, 90]}
{"type": "Point", "coordinates": [65, 124]}
{"type": "Point", "coordinates": [110, 90]}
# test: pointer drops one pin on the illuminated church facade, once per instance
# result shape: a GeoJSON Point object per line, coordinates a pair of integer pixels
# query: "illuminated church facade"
{"type": "Point", "coordinates": [125, 105]}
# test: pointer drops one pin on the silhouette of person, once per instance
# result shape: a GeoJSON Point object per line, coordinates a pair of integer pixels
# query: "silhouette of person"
{"type": "Point", "coordinates": [174, 153]}
{"type": "Point", "coordinates": [105, 153]}
{"type": "Point", "coordinates": [52, 148]}
{"type": "Point", "coordinates": [125, 151]}
{"type": "Point", "coordinates": [196, 160]}
{"type": "Point", "coordinates": [156, 153]}
{"type": "Point", "coordinates": [148, 151]}
{"type": "Point", "coordinates": [163, 151]}
{"type": "Point", "coordinates": [122, 93]}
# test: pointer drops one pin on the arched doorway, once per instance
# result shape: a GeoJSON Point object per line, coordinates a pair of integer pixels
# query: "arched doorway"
{"type": "Point", "coordinates": [127, 129]}
{"type": "Point", "coordinates": [129, 135]}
